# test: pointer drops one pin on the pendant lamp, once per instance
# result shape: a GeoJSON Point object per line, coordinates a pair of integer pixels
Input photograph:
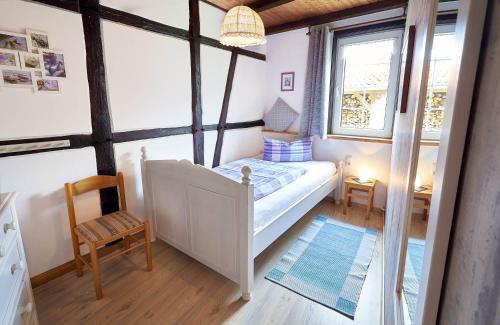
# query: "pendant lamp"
{"type": "Point", "coordinates": [242, 27]}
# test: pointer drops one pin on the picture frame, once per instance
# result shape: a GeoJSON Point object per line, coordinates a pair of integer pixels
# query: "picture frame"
{"type": "Point", "coordinates": [287, 81]}
{"type": "Point", "coordinates": [14, 41]}
{"type": "Point", "coordinates": [16, 78]}
{"type": "Point", "coordinates": [31, 61]}
{"type": "Point", "coordinates": [54, 65]}
{"type": "Point", "coordinates": [9, 59]}
{"type": "Point", "coordinates": [37, 39]}
{"type": "Point", "coordinates": [47, 85]}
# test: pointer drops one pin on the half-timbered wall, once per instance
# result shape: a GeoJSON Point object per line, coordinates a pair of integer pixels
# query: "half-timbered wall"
{"type": "Point", "coordinates": [148, 87]}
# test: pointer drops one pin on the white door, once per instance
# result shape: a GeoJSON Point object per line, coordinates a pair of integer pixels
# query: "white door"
{"type": "Point", "coordinates": [405, 149]}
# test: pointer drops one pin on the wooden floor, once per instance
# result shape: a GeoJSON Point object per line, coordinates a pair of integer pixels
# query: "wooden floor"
{"type": "Point", "coordinates": [182, 291]}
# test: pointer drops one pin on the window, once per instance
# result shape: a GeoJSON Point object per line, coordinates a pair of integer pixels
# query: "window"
{"type": "Point", "coordinates": [366, 80]}
{"type": "Point", "coordinates": [439, 74]}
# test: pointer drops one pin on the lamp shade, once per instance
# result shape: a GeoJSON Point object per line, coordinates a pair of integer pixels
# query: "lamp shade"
{"type": "Point", "coordinates": [242, 27]}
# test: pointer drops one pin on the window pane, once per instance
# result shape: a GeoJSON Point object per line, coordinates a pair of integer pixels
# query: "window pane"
{"type": "Point", "coordinates": [365, 84]}
{"type": "Point", "coordinates": [439, 73]}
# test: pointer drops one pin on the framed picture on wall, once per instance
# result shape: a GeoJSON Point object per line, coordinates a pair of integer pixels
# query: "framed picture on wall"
{"type": "Point", "coordinates": [30, 61]}
{"type": "Point", "coordinates": [14, 41]}
{"type": "Point", "coordinates": [17, 78]}
{"type": "Point", "coordinates": [9, 59]}
{"type": "Point", "coordinates": [47, 86]}
{"type": "Point", "coordinates": [53, 62]}
{"type": "Point", "coordinates": [38, 39]}
{"type": "Point", "coordinates": [287, 81]}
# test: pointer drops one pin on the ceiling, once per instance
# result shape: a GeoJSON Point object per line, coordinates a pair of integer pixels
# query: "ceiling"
{"type": "Point", "coordinates": [279, 15]}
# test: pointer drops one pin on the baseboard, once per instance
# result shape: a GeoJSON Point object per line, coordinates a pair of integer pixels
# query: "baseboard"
{"type": "Point", "coordinates": [52, 274]}
{"type": "Point", "coordinates": [67, 267]}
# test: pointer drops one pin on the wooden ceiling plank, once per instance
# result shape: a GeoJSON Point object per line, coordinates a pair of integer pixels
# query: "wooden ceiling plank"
{"type": "Point", "coordinates": [262, 5]}
{"type": "Point", "coordinates": [337, 15]}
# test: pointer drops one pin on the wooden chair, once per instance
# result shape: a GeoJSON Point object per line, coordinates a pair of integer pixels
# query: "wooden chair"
{"type": "Point", "coordinates": [103, 230]}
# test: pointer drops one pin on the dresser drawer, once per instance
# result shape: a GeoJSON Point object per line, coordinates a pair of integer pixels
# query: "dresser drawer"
{"type": "Point", "coordinates": [8, 231]}
{"type": "Point", "coordinates": [25, 308]}
{"type": "Point", "coordinates": [12, 270]}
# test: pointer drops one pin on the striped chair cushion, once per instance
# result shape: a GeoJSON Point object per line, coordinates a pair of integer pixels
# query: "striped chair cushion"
{"type": "Point", "coordinates": [282, 151]}
{"type": "Point", "coordinates": [107, 226]}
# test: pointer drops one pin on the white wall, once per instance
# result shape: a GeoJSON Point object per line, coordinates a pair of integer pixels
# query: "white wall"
{"type": "Point", "coordinates": [288, 52]}
{"type": "Point", "coordinates": [211, 19]}
{"type": "Point", "coordinates": [41, 204]}
{"type": "Point", "coordinates": [24, 114]}
{"type": "Point", "coordinates": [241, 143]}
{"type": "Point", "coordinates": [249, 89]}
{"type": "Point", "coordinates": [171, 12]}
{"type": "Point", "coordinates": [152, 82]}
{"type": "Point", "coordinates": [149, 86]}
{"type": "Point", "coordinates": [214, 68]}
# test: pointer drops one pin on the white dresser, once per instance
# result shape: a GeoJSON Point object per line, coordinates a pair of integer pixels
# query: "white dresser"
{"type": "Point", "coordinates": [17, 305]}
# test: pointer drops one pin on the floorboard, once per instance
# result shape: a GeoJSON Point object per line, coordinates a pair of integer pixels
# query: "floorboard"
{"type": "Point", "coordinates": [181, 290]}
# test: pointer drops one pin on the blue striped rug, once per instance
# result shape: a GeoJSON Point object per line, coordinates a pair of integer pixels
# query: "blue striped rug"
{"type": "Point", "coordinates": [328, 264]}
{"type": "Point", "coordinates": [413, 271]}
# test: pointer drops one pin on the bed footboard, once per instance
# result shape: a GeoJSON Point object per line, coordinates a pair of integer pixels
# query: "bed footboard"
{"type": "Point", "coordinates": [205, 215]}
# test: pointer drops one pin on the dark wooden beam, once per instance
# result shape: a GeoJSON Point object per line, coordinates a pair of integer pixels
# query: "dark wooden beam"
{"type": "Point", "coordinates": [225, 105]}
{"type": "Point", "coordinates": [215, 43]}
{"type": "Point", "coordinates": [196, 109]}
{"type": "Point", "coordinates": [71, 5]}
{"type": "Point", "coordinates": [75, 141]}
{"type": "Point", "coordinates": [234, 125]}
{"type": "Point", "coordinates": [78, 141]}
{"type": "Point", "coordinates": [128, 19]}
{"type": "Point", "coordinates": [261, 5]}
{"type": "Point", "coordinates": [338, 15]}
{"type": "Point", "coordinates": [126, 136]}
{"type": "Point", "coordinates": [102, 134]}
{"type": "Point", "coordinates": [244, 125]}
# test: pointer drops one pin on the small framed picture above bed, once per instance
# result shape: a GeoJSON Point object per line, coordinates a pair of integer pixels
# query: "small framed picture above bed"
{"type": "Point", "coordinates": [9, 59]}
{"type": "Point", "coordinates": [287, 81]}
{"type": "Point", "coordinates": [14, 41]}
{"type": "Point", "coordinates": [47, 86]}
{"type": "Point", "coordinates": [38, 39]}
{"type": "Point", "coordinates": [54, 64]}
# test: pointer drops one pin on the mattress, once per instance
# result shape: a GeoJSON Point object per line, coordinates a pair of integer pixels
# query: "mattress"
{"type": "Point", "coordinates": [267, 176]}
{"type": "Point", "coordinates": [267, 209]}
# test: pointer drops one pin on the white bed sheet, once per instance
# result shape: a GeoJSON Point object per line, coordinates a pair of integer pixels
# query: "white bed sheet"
{"type": "Point", "coordinates": [267, 209]}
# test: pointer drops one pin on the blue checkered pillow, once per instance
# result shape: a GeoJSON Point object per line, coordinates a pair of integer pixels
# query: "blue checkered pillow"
{"type": "Point", "coordinates": [278, 150]}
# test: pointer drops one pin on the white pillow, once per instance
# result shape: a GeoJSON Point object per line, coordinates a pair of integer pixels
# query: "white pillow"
{"type": "Point", "coordinates": [280, 117]}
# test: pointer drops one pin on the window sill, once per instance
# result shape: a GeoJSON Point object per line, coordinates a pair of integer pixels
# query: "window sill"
{"type": "Point", "coordinates": [427, 143]}
{"type": "Point", "coordinates": [358, 138]}
{"type": "Point", "coordinates": [281, 132]}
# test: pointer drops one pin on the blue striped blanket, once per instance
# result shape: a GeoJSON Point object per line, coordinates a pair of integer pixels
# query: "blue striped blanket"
{"type": "Point", "coordinates": [267, 176]}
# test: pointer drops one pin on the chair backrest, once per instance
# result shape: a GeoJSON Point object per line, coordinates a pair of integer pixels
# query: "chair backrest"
{"type": "Point", "coordinates": [92, 183]}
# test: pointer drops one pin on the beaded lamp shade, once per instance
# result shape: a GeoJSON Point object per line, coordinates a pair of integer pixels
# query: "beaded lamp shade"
{"type": "Point", "coordinates": [242, 27]}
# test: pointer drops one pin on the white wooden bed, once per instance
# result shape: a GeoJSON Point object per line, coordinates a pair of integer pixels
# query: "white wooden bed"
{"type": "Point", "coordinates": [211, 217]}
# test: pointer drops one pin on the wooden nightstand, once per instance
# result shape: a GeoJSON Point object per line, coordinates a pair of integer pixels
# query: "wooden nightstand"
{"type": "Point", "coordinates": [424, 196]}
{"type": "Point", "coordinates": [350, 184]}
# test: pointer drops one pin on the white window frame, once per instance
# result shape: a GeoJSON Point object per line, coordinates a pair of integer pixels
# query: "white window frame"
{"type": "Point", "coordinates": [397, 35]}
{"type": "Point", "coordinates": [440, 29]}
